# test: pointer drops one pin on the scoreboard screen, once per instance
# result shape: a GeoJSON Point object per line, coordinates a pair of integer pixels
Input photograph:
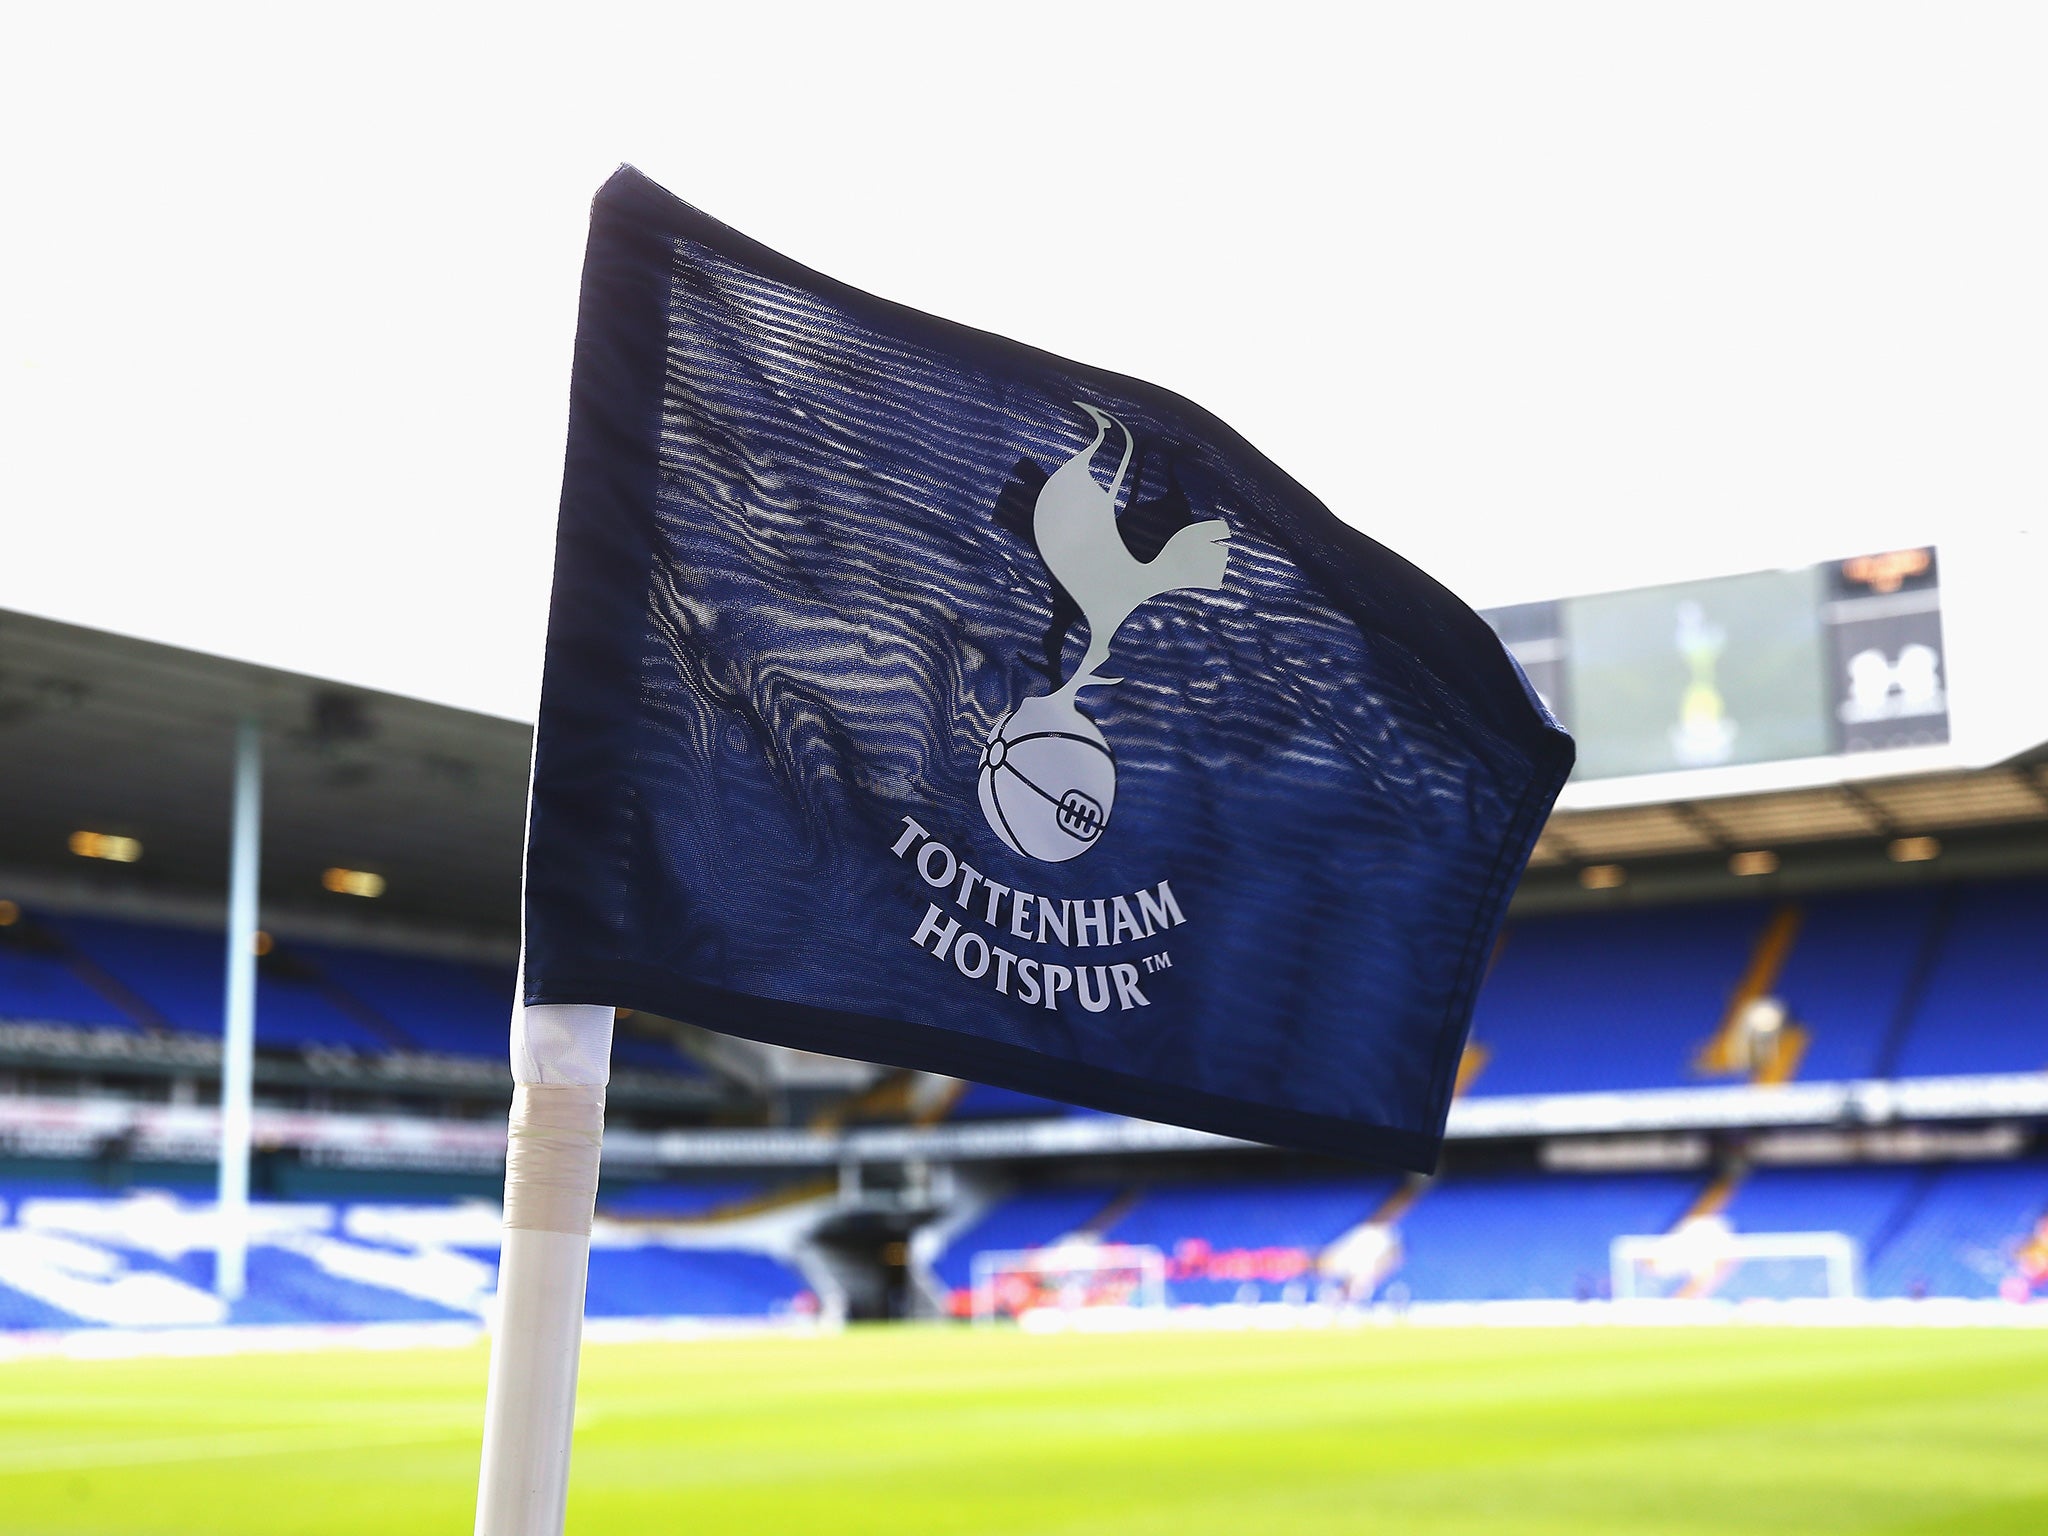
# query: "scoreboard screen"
{"type": "Point", "coordinates": [1834, 658]}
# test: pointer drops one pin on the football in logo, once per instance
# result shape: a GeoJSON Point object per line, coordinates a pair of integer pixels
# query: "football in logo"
{"type": "Point", "coordinates": [1047, 780]}
{"type": "Point", "coordinates": [1046, 774]}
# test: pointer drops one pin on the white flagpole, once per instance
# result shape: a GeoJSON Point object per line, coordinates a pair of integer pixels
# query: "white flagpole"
{"type": "Point", "coordinates": [561, 1061]}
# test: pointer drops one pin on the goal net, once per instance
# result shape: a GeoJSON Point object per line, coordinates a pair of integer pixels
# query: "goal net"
{"type": "Point", "coordinates": [1068, 1276]}
{"type": "Point", "coordinates": [1707, 1259]}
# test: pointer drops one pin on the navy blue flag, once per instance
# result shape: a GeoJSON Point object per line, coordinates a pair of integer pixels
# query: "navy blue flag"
{"type": "Point", "coordinates": [916, 696]}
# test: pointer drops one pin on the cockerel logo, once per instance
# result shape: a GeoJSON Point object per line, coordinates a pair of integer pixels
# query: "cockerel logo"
{"type": "Point", "coordinates": [1047, 776]}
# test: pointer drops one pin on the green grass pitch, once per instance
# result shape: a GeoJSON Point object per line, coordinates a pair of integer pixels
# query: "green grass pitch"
{"type": "Point", "coordinates": [918, 1432]}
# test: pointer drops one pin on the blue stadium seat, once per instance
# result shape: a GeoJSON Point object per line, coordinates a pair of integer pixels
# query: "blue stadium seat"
{"type": "Point", "coordinates": [1226, 1218]}
{"type": "Point", "coordinates": [324, 1277]}
{"type": "Point", "coordinates": [675, 1201]}
{"type": "Point", "coordinates": [1261, 1213]}
{"type": "Point", "coordinates": [1860, 1201]}
{"type": "Point", "coordinates": [1963, 1235]}
{"type": "Point", "coordinates": [631, 1049]}
{"type": "Point", "coordinates": [308, 994]}
{"type": "Point", "coordinates": [1986, 1004]}
{"type": "Point", "coordinates": [19, 1313]}
{"type": "Point", "coordinates": [447, 1006]}
{"type": "Point", "coordinates": [291, 1288]}
{"type": "Point", "coordinates": [689, 1282]}
{"type": "Point", "coordinates": [38, 983]}
{"type": "Point", "coordinates": [1864, 1203]}
{"type": "Point", "coordinates": [1514, 1237]}
{"type": "Point", "coordinates": [1610, 1000]}
{"type": "Point", "coordinates": [181, 972]}
{"type": "Point", "coordinates": [1027, 1220]}
{"type": "Point", "coordinates": [1846, 978]}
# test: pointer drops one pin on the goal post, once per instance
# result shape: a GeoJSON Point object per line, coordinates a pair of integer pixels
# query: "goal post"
{"type": "Point", "coordinates": [1705, 1258]}
{"type": "Point", "coordinates": [1068, 1277]}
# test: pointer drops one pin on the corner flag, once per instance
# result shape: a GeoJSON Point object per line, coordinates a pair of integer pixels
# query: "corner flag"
{"type": "Point", "coordinates": [917, 696]}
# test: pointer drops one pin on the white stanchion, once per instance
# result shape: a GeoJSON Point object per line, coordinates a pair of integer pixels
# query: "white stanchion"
{"type": "Point", "coordinates": [551, 1163]}
{"type": "Point", "coordinates": [238, 1028]}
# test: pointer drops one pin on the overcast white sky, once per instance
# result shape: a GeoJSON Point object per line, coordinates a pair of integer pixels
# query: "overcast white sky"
{"type": "Point", "coordinates": [1547, 297]}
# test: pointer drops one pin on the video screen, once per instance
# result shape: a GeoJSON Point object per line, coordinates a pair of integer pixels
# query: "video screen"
{"type": "Point", "coordinates": [1699, 676]}
{"type": "Point", "coordinates": [1841, 657]}
{"type": "Point", "coordinates": [1889, 683]}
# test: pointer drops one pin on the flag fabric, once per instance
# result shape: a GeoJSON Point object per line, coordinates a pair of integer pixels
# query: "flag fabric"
{"type": "Point", "coordinates": [916, 696]}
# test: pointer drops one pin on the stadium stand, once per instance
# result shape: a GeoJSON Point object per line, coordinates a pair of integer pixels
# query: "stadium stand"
{"type": "Point", "coordinates": [39, 980]}
{"type": "Point", "coordinates": [1926, 980]}
{"type": "Point", "coordinates": [676, 1202]}
{"type": "Point", "coordinates": [436, 1005]}
{"type": "Point", "coordinates": [1892, 983]}
{"type": "Point", "coordinates": [1935, 1230]}
{"type": "Point", "coordinates": [1916, 982]}
{"type": "Point", "coordinates": [1030, 1219]}
{"type": "Point", "coordinates": [1609, 1000]}
{"type": "Point", "coordinates": [144, 1260]}
{"type": "Point", "coordinates": [1848, 978]}
{"type": "Point", "coordinates": [635, 1050]}
{"type": "Point", "coordinates": [1861, 1201]}
{"type": "Point", "coordinates": [1864, 1203]}
{"type": "Point", "coordinates": [1925, 1230]}
{"type": "Point", "coordinates": [1964, 1233]}
{"type": "Point", "coordinates": [1514, 1237]}
{"type": "Point", "coordinates": [691, 1282]}
{"type": "Point", "coordinates": [178, 973]}
{"type": "Point", "coordinates": [102, 972]}
{"type": "Point", "coordinates": [1985, 1008]}
{"type": "Point", "coordinates": [1249, 1240]}
{"type": "Point", "coordinates": [19, 1313]}
{"type": "Point", "coordinates": [69, 1261]}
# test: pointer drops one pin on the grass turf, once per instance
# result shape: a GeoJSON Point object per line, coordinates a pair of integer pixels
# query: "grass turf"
{"type": "Point", "coordinates": [947, 1433]}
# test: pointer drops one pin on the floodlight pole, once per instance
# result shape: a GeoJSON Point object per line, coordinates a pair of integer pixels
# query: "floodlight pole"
{"type": "Point", "coordinates": [561, 1062]}
{"type": "Point", "coordinates": [238, 1033]}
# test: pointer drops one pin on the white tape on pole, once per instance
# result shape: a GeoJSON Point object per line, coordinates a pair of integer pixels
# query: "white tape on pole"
{"type": "Point", "coordinates": [551, 1165]}
{"type": "Point", "coordinates": [551, 1154]}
